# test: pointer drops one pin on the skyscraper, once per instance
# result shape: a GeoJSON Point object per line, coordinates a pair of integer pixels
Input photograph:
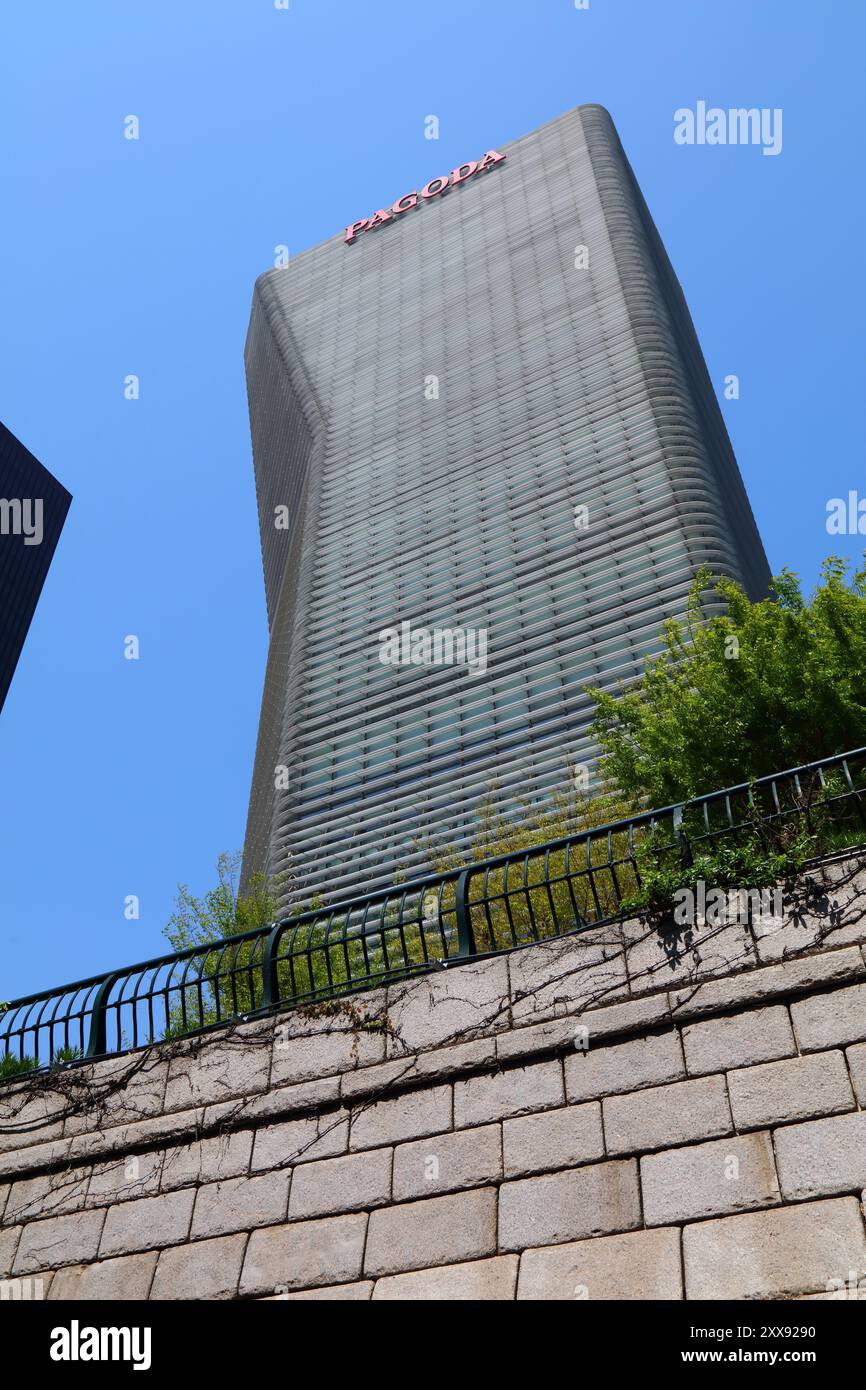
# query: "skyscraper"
{"type": "Point", "coordinates": [33, 507]}
{"type": "Point", "coordinates": [481, 411]}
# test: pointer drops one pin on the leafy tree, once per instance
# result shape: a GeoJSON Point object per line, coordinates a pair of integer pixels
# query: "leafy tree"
{"type": "Point", "coordinates": [226, 980]}
{"type": "Point", "coordinates": [221, 912]}
{"type": "Point", "coordinates": [539, 895]}
{"type": "Point", "coordinates": [765, 686]}
{"type": "Point", "coordinates": [225, 977]}
{"type": "Point", "coordinates": [568, 809]}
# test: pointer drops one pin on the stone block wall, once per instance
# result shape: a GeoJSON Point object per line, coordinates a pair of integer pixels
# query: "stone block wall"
{"type": "Point", "coordinates": [637, 1112]}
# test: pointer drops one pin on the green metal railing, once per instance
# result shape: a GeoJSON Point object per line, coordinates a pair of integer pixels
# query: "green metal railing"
{"type": "Point", "coordinates": [566, 885]}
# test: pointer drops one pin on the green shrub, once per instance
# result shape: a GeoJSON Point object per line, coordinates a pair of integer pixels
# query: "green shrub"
{"type": "Point", "coordinates": [763, 687]}
{"type": "Point", "coordinates": [14, 1066]}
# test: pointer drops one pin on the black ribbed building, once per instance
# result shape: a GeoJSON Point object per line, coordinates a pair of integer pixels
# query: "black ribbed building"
{"type": "Point", "coordinates": [480, 409]}
{"type": "Point", "coordinates": [33, 507]}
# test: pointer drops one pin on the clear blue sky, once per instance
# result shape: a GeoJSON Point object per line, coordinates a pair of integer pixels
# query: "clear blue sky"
{"type": "Point", "coordinates": [261, 127]}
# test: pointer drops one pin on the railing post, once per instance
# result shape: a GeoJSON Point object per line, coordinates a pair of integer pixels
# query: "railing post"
{"type": "Point", "coordinates": [97, 1041]}
{"type": "Point", "coordinates": [849, 782]}
{"type": "Point", "coordinates": [270, 982]}
{"type": "Point", "coordinates": [465, 937]}
{"type": "Point", "coordinates": [681, 838]}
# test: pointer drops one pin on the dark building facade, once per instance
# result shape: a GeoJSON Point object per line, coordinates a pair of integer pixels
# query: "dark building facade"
{"type": "Point", "coordinates": [481, 411]}
{"type": "Point", "coordinates": [33, 507]}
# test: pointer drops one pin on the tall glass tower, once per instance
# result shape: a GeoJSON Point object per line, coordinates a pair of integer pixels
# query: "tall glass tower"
{"type": "Point", "coordinates": [481, 410]}
{"type": "Point", "coordinates": [33, 507]}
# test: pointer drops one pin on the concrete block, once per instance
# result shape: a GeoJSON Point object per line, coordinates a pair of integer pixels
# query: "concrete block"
{"type": "Point", "coordinates": [635, 1016]}
{"type": "Point", "coordinates": [822, 1157]}
{"type": "Point", "coordinates": [48, 1194]}
{"type": "Point", "coordinates": [118, 1091]}
{"type": "Point", "coordinates": [343, 1184]}
{"type": "Point", "coordinates": [552, 1139]}
{"type": "Point", "coordinates": [358, 1292]}
{"type": "Point", "coordinates": [27, 1120]}
{"type": "Point", "coordinates": [479, 1100]}
{"type": "Point", "coordinates": [240, 1204]}
{"type": "Point", "coordinates": [61, 1240]}
{"type": "Point", "coordinates": [304, 1254]}
{"type": "Point", "coordinates": [308, 1097]}
{"type": "Point", "coordinates": [148, 1223]}
{"type": "Point", "coordinates": [436, 1065]}
{"type": "Point", "coordinates": [768, 983]}
{"type": "Point", "coordinates": [738, 1040]}
{"type": "Point", "coordinates": [567, 975]}
{"type": "Point", "coordinates": [454, 1005]}
{"type": "Point", "coordinates": [127, 1278]}
{"type": "Point", "coordinates": [9, 1238]}
{"type": "Point", "coordinates": [439, 1231]}
{"type": "Point", "coordinates": [447, 1163]}
{"type": "Point", "coordinates": [15, 1163]}
{"type": "Point", "coordinates": [479, 1281]}
{"type": "Point", "coordinates": [409, 1116]}
{"type": "Point", "coordinates": [830, 916]}
{"type": "Point", "coordinates": [627, 1066]}
{"type": "Point", "coordinates": [308, 1045]}
{"type": "Point", "coordinates": [526, 1042]}
{"type": "Point", "coordinates": [714, 1179]}
{"type": "Point", "coordinates": [179, 1127]}
{"type": "Point", "coordinates": [795, 1089]}
{"type": "Point", "coordinates": [299, 1141]}
{"type": "Point", "coordinates": [774, 1254]}
{"type": "Point", "coordinates": [669, 957]}
{"type": "Point", "coordinates": [683, 1113]}
{"type": "Point", "coordinates": [643, 1265]}
{"type": "Point", "coordinates": [208, 1160]}
{"type": "Point", "coordinates": [216, 1070]}
{"type": "Point", "coordinates": [596, 1200]}
{"type": "Point", "coordinates": [205, 1269]}
{"type": "Point", "coordinates": [133, 1175]}
{"type": "Point", "coordinates": [830, 1020]}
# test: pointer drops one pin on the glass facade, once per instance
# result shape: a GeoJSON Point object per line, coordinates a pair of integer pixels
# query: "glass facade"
{"type": "Point", "coordinates": [29, 533]}
{"type": "Point", "coordinates": [429, 405]}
